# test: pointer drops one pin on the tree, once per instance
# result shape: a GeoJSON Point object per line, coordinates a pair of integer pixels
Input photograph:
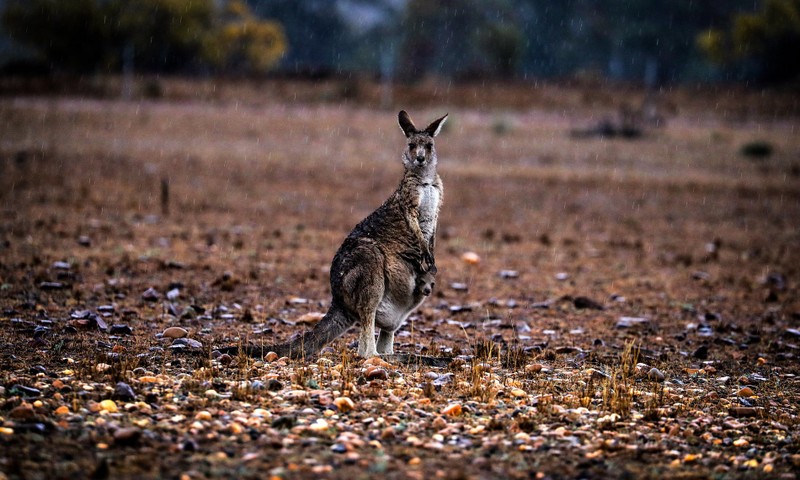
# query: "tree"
{"type": "Point", "coordinates": [72, 35]}
{"type": "Point", "coordinates": [762, 45]}
{"type": "Point", "coordinates": [461, 38]}
{"type": "Point", "coordinates": [85, 36]}
{"type": "Point", "coordinates": [245, 43]}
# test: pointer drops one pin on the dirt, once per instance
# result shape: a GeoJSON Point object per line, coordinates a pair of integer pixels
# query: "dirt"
{"type": "Point", "coordinates": [616, 308]}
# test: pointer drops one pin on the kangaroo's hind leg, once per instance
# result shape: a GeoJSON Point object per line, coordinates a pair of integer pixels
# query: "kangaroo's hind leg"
{"type": "Point", "coordinates": [386, 342]}
{"type": "Point", "coordinates": [363, 288]}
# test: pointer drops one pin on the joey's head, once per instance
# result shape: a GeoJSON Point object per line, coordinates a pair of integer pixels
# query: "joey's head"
{"type": "Point", "coordinates": [420, 152]}
{"type": "Point", "coordinates": [424, 284]}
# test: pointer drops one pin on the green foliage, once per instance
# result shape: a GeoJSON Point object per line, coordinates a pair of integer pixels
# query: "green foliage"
{"type": "Point", "coordinates": [162, 35]}
{"type": "Point", "coordinates": [244, 42]}
{"type": "Point", "coordinates": [763, 44]}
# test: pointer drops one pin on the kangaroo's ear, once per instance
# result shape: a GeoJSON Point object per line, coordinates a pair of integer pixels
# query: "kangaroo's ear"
{"type": "Point", "coordinates": [406, 124]}
{"type": "Point", "coordinates": [436, 126]}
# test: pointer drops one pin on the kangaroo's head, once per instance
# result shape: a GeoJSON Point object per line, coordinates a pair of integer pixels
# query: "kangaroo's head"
{"type": "Point", "coordinates": [420, 154]}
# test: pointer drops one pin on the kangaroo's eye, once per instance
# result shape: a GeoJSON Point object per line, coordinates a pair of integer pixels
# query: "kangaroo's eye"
{"type": "Point", "coordinates": [411, 146]}
{"type": "Point", "coordinates": [429, 145]}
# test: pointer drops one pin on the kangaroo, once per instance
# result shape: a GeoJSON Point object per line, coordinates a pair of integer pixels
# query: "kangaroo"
{"type": "Point", "coordinates": [385, 267]}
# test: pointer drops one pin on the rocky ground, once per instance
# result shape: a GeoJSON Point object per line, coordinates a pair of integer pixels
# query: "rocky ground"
{"type": "Point", "coordinates": [614, 308]}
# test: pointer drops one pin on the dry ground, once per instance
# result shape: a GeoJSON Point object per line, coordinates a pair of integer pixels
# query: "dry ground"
{"type": "Point", "coordinates": [599, 261]}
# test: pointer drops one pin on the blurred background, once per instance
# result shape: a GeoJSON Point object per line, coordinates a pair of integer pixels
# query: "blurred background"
{"type": "Point", "coordinates": [643, 42]}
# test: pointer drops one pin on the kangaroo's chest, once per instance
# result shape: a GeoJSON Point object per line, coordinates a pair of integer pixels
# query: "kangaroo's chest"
{"type": "Point", "coordinates": [429, 201]}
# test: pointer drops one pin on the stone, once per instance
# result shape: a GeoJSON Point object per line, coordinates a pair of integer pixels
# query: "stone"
{"type": "Point", "coordinates": [124, 392]}
{"type": "Point", "coordinates": [151, 295]}
{"type": "Point", "coordinates": [175, 332]}
{"type": "Point", "coordinates": [344, 404]}
{"type": "Point", "coordinates": [656, 374]}
{"type": "Point", "coordinates": [376, 373]}
{"type": "Point", "coordinates": [470, 258]}
{"type": "Point", "coordinates": [745, 392]}
{"type": "Point", "coordinates": [452, 410]}
{"type": "Point", "coordinates": [127, 436]}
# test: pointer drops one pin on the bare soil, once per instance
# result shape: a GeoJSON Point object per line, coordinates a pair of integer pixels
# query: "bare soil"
{"type": "Point", "coordinates": [625, 308]}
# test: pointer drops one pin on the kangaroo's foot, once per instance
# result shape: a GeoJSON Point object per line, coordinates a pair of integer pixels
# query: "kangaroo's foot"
{"type": "Point", "coordinates": [366, 344]}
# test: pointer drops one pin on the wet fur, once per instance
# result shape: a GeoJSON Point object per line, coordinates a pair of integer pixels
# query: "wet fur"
{"type": "Point", "coordinates": [377, 271]}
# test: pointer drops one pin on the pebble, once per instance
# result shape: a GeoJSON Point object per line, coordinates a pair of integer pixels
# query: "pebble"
{"type": "Point", "coordinates": [319, 425]}
{"type": "Point", "coordinates": [297, 395]}
{"type": "Point", "coordinates": [452, 410]}
{"type": "Point", "coordinates": [597, 374]}
{"type": "Point", "coordinates": [27, 392]}
{"type": "Point", "coordinates": [745, 392]}
{"type": "Point", "coordinates": [376, 373]}
{"type": "Point", "coordinates": [151, 295]}
{"type": "Point", "coordinates": [378, 362]}
{"type": "Point", "coordinates": [121, 329]}
{"type": "Point", "coordinates": [211, 393]}
{"type": "Point", "coordinates": [701, 352]}
{"type": "Point", "coordinates": [189, 343]}
{"type": "Point", "coordinates": [567, 350]}
{"type": "Point", "coordinates": [175, 332]}
{"type": "Point", "coordinates": [534, 368]}
{"type": "Point", "coordinates": [586, 303]}
{"type": "Point", "coordinates": [470, 258]}
{"type": "Point", "coordinates": [127, 436]}
{"type": "Point", "coordinates": [109, 406]}
{"type": "Point", "coordinates": [344, 404]}
{"type": "Point", "coordinates": [628, 322]}
{"type": "Point", "coordinates": [656, 374]}
{"type": "Point", "coordinates": [743, 411]}
{"type": "Point", "coordinates": [23, 411]}
{"type": "Point", "coordinates": [271, 357]}
{"type": "Point", "coordinates": [388, 433]}
{"type": "Point", "coordinates": [225, 359]}
{"type": "Point", "coordinates": [61, 265]}
{"type": "Point", "coordinates": [124, 392]}
{"type": "Point", "coordinates": [203, 416]}
{"type": "Point", "coordinates": [741, 442]}
{"type": "Point", "coordinates": [518, 392]}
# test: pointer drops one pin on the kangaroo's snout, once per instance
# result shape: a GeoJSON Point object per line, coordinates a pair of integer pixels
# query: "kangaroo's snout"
{"type": "Point", "coordinates": [420, 159]}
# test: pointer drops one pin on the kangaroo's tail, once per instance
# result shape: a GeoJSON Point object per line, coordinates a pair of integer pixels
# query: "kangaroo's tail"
{"type": "Point", "coordinates": [331, 327]}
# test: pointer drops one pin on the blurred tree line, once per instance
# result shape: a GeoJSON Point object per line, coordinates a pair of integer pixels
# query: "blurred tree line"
{"type": "Point", "coordinates": [149, 35]}
{"type": "Point", "coordinates": [647, 41]}
{"type": "Point", "coordinates": [764, 45]}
